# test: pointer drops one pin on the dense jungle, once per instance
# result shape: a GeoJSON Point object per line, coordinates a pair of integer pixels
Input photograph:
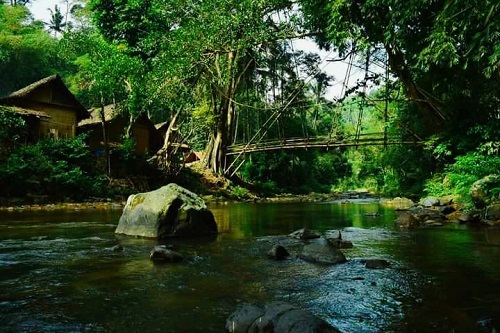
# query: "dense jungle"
{"type": "Point", "coordinates": [414, 111]}
{"type": "Point", "coordinates": [302, 166]}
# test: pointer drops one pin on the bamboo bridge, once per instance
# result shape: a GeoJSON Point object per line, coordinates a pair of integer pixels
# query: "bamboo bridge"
{"type": "Point", "coordinates": [321, 142]}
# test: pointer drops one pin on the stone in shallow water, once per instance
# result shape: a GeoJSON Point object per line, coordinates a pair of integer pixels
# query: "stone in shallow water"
{"type": "Point", "coordinates": [321, 252]}
{"type": "Point", "coordinates": [278, 252]}
{"type": "Point", "coordinates": [305, 233]}
{"type": "Point", "coordinates": [170, 211]}
{"type": "Point", "coordinates": [161, 253]}
{"type": "Point", "coordinates": [376, 263]}
{"type": "Point", "coordinates": [276, 317]}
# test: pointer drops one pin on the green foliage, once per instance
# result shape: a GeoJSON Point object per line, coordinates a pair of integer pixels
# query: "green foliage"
{"type": "Point", "coordinates": [27, 52]}
{"type": "Point", "coordinates": [239, 192]}
{"type": "Point", "coordinates": [457, 178]}
{"type": "Point", "coordinates": [297, 173]}
{"type": "Point", "coordinates": [61, 169]}
{"type": "Point", "coordinates": [12, 131]}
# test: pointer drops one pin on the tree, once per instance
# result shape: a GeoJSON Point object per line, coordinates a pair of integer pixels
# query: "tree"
{"type": "Point", "coordinates": [444, 52]}
{"type": "Point", "coordinates": [202, 48]}
{"type": "Point", "coordinates": [57, 21]}
{"type": "Point", "coordinates": [105, 74]}
{"type": "Point", "coordinates": [27, 52]}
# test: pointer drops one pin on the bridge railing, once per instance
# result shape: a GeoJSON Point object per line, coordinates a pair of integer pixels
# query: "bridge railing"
{"type": "Point", "coordinates": [324, 142]}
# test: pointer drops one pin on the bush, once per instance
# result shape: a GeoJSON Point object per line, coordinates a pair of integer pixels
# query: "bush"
{"type": "Point", "coordinates": [60, 169]}
{"type": "Point", "coordinates": [12, 132]}
{"type": "Point", "coordinates": [457, 178]}
{"type": "Point", "coordinates": [239, 192]}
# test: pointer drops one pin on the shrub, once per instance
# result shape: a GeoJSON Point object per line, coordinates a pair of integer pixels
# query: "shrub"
{"type": "Point", "coordinates": [61, 169]}
{"type": "Point", "coordinates": [457, 178]}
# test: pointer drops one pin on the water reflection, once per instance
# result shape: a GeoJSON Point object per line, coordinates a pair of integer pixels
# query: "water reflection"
{"type": "Point", "coordinates": [58, 273]}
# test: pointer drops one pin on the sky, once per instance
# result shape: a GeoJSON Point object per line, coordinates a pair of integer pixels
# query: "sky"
{"type": "Point", "coordinates": [39, 9]}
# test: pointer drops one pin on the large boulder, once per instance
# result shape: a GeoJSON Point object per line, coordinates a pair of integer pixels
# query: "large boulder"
{"type": "Point", "coordinates": [276, 317]}
{"type": "Point", "coordinates": [481, 192]}
{"type": "Point", "coordinates": [170, 211]}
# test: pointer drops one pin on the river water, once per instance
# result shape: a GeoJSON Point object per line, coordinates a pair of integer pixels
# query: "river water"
{"type": "Point", "coordinates": [59, 274]}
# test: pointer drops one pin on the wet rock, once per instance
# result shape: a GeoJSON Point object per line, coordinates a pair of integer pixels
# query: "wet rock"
{"type": "Point", "coordinates": [376, 263]}
{"type": "Point", "coordinates": [116, 248]}
{"type": "Point", "coordinates": [430, 202]}
{"type": "Point", "coordinates": [423, 214]}
{"type": "Point", "coordinates": [481, 192]}
{"type": "Point", "coordinates": [243, 318]}
{"type": "Point", "coordinates": [170, 211]}
{"type": "Point", "coordinates": [278, 252]}
{"type": "Point", "coordinates": [398, 203]}
{"type": "Point", "coordinates": [447, 209]}
{"type": "Point", "coordinates": [406, 220]}
{"type": "Point", "coordinates": [339, 243]}
{"type": "Point", "coordinates": [493, 211]}
{"type": "Point", "coordinates": [469, 218]}
{"type": "Point", "coordinates": [322, 252]}
{"type": "Point", "coordinates": [432, 223]}
{"type": "Point", "coordinates": [161, 253]}
{"type": "Point", "coordinates": [276, 317]}
{"type": "Point", "coordinates": [304, 234]}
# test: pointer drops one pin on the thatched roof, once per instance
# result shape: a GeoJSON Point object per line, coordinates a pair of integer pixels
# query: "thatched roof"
{"type": "Point", "coordinates": [25, 112]}
{"type": "Point", "coordinates": [57, 85]}
{"type": "Point", "coordinates": [110, 112]}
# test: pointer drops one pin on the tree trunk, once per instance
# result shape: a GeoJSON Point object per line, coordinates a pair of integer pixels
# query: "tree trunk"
{"type": "Point", "coordinates": [428, 106]}
{"type": "Point", "coordinates": [163, 157]}
{"type": "Point", "coordinates": [105, 139]}
{"type": "Point", "coordinates": [223, 108]}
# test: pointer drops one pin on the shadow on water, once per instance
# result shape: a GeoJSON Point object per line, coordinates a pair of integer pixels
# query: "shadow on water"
{"type": "Point", "coordinates": [59, 273]}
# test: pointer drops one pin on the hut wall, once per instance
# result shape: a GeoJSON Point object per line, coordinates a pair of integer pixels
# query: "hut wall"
{"type": "Point", "coordinates": [61, 124]}
{"type": "Point", "coordinates": [141, 135]}
{"type": "Point", "coordinates": [62, 121]}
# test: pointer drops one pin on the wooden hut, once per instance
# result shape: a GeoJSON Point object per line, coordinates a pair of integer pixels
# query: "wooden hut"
{"type": "Point", "coordinates": [49, 108]}
{"type": "Point", "coordinates": [146, 137]}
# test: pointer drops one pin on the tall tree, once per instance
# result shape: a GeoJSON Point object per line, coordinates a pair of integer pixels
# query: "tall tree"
{"type": "Point", "coordinates": [444, 52]}
{"type": "Point", "coordinates": [57, 21]}
{"type": "Point", "coordinates": [199, 46]}
{"type": "Point", "coordinates": [27, 52]}
{"type": "Point", "coordinates": [105, 73]}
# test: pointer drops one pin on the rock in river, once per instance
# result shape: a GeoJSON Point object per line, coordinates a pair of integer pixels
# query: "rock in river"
{"type": "Point", "coordinates": [304, 234]}
{"type": "Point", "coordinates": [276, 317]}
{"type": "Point", "coordinates": [377, 263]}
{"type": "Point", "coordinates": [170, 211]}
{"type": "Point", "coordinates": [322, 252]}
{"type": "Point", "coordinates": [162, 253]}
{"type": "Point", "coordinates": [278, 252]}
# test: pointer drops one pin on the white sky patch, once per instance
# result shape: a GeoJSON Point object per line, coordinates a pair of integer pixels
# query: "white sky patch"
{"type": "Point", "coordinates": [40, 8]}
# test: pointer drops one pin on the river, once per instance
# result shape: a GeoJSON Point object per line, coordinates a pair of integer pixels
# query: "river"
{"type": "Point", "coordinates": [59, 274]}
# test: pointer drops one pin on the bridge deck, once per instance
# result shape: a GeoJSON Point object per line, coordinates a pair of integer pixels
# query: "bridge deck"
{"type": "Point", "coordinates": [318, 142]}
